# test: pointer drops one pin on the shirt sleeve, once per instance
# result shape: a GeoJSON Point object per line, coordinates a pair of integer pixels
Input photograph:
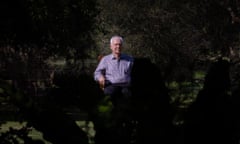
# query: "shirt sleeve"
{"type": "Point", "coordinates": [100, 69]}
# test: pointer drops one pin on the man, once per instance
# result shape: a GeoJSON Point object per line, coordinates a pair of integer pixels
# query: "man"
{"type": "Point", "coordinates": [113, 72]}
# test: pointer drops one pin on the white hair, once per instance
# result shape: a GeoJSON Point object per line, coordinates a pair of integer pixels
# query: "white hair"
{"type": "Point", "coordinates": [116, 36]}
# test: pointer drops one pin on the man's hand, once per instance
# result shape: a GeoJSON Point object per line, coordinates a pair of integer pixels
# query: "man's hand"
{"type": "Point", "coordinates": [101, 81]}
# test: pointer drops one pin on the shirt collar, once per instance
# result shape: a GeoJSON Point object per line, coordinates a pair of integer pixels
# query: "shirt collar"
{"type": "Point", "coordinates": [113, 58]}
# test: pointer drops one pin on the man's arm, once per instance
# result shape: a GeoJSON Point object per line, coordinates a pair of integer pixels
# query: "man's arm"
{"type": "Point", "coordinates": [99, 73]}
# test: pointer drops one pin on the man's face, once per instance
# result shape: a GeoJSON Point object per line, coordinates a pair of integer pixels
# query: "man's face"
{"type": "Point", "coordinates": [116, 46]}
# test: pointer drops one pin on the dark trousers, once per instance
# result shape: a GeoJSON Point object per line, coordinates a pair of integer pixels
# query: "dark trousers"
{"type": "Point", "coordinates": [118, 93]}
{"type": "Point", "coordinates": [120, 96]}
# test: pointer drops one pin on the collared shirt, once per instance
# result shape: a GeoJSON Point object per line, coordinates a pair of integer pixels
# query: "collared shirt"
{"type": "Point", "coordinates": [115, 70]}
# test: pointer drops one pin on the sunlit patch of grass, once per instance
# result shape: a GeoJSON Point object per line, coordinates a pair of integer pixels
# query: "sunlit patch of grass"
{"type": "Point", "coordinates": [86, 126]}
{"type": "Point", "coordinates": [199, 75]}
{"type": "Point", "coordinates": [33, 133]}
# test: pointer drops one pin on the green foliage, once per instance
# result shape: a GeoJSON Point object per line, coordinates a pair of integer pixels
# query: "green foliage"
{"type": "Point", "coordinates": [104, 109]}
{"type": "Point", "coordinates": [20, 132]}
{"type": "Point", "coordinates": [16, 136]}
{"type": "Point", "coordinates": [199, 75]}
{"type": "Point", "coordinates": [163, 31]}
{"type": "Point", "coordinates": [55, 27]}
{"type": "Point", "coordinates": [181, 37]}
{"type": "Point", "coordinates": [185, 92]}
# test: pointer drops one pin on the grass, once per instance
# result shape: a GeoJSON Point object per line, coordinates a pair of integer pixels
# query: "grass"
{"type": "Point", "coordinates": [37, 135]}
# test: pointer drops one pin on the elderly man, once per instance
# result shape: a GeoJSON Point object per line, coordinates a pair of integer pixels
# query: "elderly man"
{"type": "Point", "coordinates": [113, 72]}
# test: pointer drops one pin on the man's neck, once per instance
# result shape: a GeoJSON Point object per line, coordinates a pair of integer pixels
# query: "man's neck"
{"type": "Point", "coordinates": [117, 56]}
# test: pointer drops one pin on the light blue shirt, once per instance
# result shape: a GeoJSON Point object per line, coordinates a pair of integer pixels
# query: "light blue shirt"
{"type": "Point", "coordinates": [115, 70]}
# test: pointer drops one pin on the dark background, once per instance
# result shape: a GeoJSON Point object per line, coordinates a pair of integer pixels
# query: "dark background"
{"type": "Point", "coordinates": [187, 54]}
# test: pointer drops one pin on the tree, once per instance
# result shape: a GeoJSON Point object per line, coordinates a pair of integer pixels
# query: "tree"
{"type": "Point", "coordinates": [31, 33]}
